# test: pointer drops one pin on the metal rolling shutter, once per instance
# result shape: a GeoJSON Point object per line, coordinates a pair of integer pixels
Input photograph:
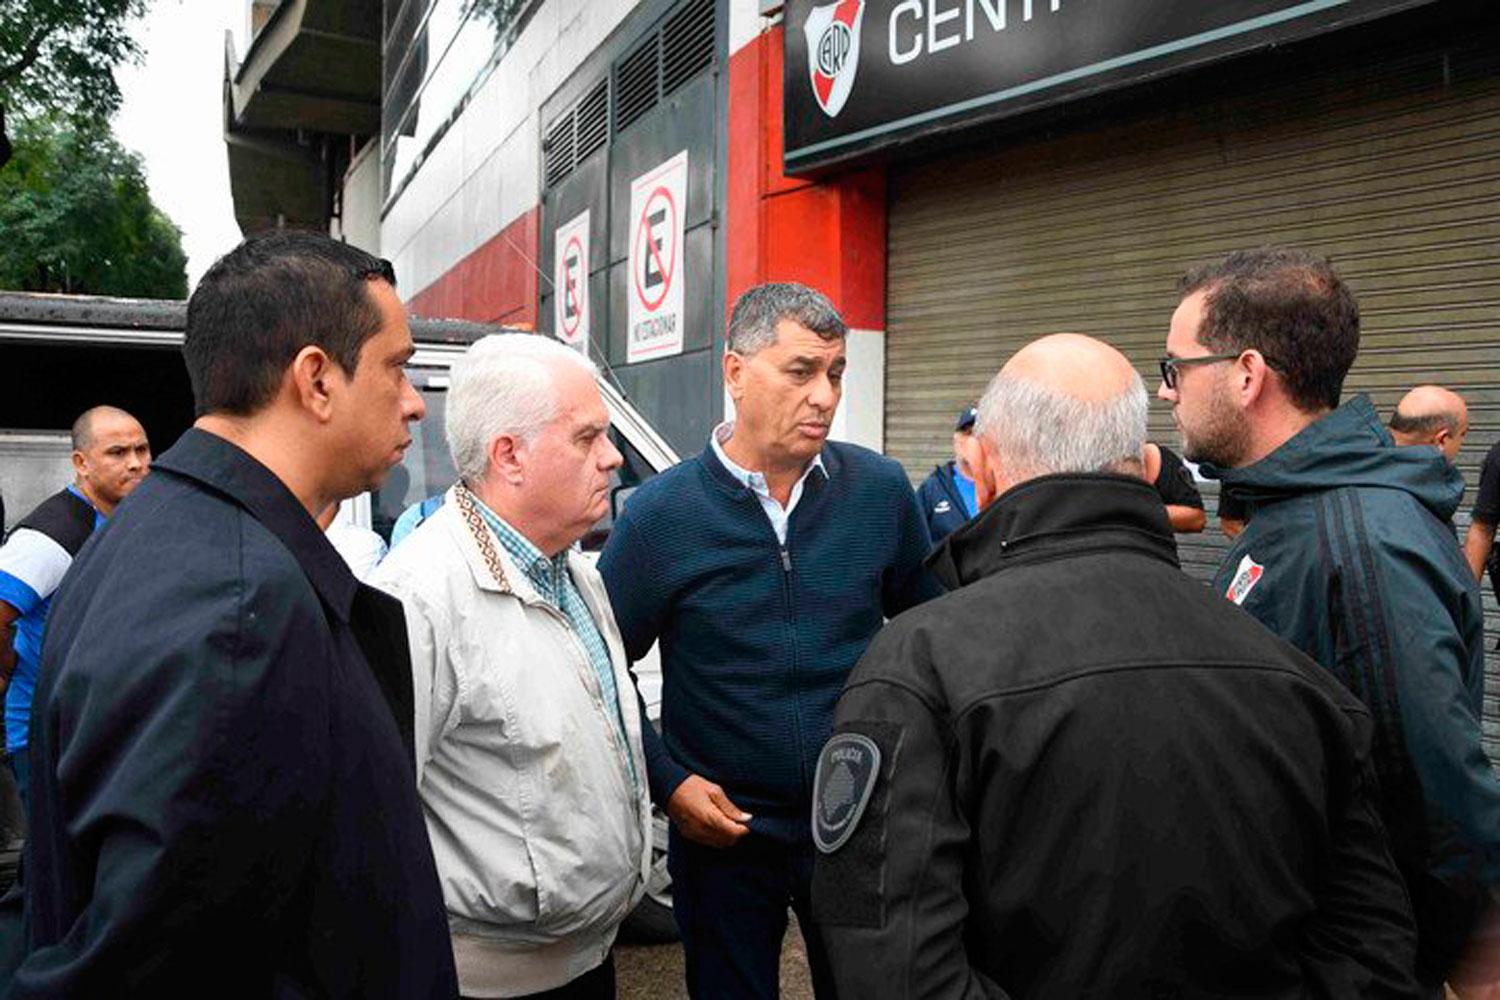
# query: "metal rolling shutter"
{"type": "Point", "coordinates": [1390, 164]}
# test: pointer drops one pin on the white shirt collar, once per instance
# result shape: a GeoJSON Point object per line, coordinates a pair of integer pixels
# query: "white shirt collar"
{"type": "Point", "coordinates": [754, 480]}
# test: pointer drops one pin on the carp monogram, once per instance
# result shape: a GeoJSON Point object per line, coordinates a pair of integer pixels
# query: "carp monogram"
{"type": "Point", "coordinates": [833, 52]}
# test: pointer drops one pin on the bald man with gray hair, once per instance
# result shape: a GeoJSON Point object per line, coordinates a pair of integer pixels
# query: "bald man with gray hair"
{"type": "Point", "coordinates": [1080, 773]}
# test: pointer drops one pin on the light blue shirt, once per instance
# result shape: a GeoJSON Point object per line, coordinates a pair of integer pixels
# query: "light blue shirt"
{"type": "Point", "coordinates": [966, 491]}
{"type": "Point", "coordinates": [756, 481]}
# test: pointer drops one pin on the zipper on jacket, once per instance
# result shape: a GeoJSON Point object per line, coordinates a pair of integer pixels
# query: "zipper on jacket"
{"type": "Point", "coordinates": [789, 609]}
{"type": "Point", "coordinates": [791, 620]}
{"type": "Point", "coordinates": [614, 716]}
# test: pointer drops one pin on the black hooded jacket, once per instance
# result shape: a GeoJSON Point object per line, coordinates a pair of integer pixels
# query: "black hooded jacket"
{"type": "Point", "coordinates": [1098, 779]}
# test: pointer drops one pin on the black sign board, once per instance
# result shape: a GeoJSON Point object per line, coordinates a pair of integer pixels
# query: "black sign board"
{"type": "Point", "coordinates": [865, 74]}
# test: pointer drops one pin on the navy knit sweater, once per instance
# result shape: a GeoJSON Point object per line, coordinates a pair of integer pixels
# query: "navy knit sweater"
{"type": "Point", "coordinates": [756, 639]}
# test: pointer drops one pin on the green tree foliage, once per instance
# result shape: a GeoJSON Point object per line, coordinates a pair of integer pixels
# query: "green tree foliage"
{"type": "Point", "coordinates": [503, 14]}
{"type": "Point", "coordinates": [59, 56]}
{"type": "Point", "coordinates": [76, 216]}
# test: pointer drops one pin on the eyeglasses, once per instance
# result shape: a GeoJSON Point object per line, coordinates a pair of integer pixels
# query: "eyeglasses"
{"type": "Point", "coordinates": [1169, 366]}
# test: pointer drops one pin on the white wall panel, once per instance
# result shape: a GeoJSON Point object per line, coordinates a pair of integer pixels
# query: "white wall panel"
{"type": "Point", "coordinates": [745, 23]}
{"type": "Point", "coordinates": [359, 221]}
{"type": "Point", "coordinates": [861, 415]}
{"type": "Point", "coordinates": [520, 185]}
{"type": "Point", "coordinates": [484, 174]}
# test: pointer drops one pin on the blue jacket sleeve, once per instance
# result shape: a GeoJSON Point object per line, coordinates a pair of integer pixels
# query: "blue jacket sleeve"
{"type": "Point", "coordinates": [634, 586]}
{"type": "Point", "coordinates": [640, 605]}
{"type": "Point", "coordinates": [907, 582]}
{"type": "Point", "coordinates": [196, 811]}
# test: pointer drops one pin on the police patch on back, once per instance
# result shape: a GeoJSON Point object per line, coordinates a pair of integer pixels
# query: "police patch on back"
{"type": "Point", "coordinates": [847, 769]}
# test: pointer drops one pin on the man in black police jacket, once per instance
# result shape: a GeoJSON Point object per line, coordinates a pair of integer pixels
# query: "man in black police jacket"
{"type": "Point", "coordinates": [223, 800]}
{"type": "Point", "coordinates": [1082, 774]}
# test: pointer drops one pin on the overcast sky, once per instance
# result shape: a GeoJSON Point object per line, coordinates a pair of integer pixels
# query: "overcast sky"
{"type": "Point", "coordinates": [173, 116]}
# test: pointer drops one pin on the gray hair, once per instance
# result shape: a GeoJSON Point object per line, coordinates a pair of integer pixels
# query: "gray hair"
{"type": "Point", "coordinates": [752, 323]}
{"type": "Point", "coordinates": [503, 385]}
{"type": "Point", "coordinates": [1036, 430]}
{"type": "Point", "coordinates": [1426, 423]}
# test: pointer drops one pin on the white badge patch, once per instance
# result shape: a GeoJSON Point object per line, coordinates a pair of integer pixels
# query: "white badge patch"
{"type": "Point", "coordinates": [1245, 579]}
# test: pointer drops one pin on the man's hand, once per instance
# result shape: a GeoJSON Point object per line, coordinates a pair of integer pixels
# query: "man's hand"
{"type": "Point", "coordinates": [703, 813]}
{"type": "Point", "coordinates": [1186, 519]}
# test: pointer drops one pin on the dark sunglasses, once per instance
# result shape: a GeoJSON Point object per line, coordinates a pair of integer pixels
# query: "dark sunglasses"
{"type": "Point", "coordinates": [1169, 366]}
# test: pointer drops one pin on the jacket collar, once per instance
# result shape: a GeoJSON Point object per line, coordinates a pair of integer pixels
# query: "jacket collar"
{"type": "Point", "coordinates": [947, 477]}
{"type": "Point", "coordinates": [727, 481]}
{"type": "Point", "coordinates": [1349, 446]}
{"type": "Point", "coordinates": [1055, 516]}
{"type": "Point", "coordinates": [227, 469]}
{"type": "Point", "coordinates": [491, 566]}
{"type": "Point", "coordinates": [483, 554]}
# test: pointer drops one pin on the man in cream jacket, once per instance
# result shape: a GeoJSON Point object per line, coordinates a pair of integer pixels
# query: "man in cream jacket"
{"type": "Point", "coordinates": [528, 730]}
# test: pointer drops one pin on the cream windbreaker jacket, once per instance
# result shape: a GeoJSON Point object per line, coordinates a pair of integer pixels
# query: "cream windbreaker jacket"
{"type": "Point", "coordinates": [541, 834]}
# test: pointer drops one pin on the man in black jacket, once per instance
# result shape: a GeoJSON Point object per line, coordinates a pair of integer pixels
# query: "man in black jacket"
{"type": "Point", "coordinates": [1080, 773]}
{"type": "Point", "coordinates": [223, 800]}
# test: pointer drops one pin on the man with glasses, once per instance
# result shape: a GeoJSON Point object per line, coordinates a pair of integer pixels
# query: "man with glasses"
{"type": "Point", "coordinates": [1348, 556]}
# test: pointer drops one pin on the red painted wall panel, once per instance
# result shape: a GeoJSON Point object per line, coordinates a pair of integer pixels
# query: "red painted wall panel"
{"type": "Point", "coordinates": [746, 155]}
{"type": "Point", "coordinates": [828, 233]}
{"type": "Point", "coordinates": [495, 284]}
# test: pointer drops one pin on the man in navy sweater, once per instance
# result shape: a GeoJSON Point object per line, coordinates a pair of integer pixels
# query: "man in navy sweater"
{"type": "Point", "coordinates": [763, 566]}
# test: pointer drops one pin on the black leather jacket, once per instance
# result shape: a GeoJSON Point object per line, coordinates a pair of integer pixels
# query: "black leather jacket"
{"type": "Point", "coordinates": [1098, 779]}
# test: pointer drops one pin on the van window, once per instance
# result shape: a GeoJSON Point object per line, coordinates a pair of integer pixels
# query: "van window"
{"type": "Point", "coordinates": [622, 481]}
{"type": "Point", "coordinates": [427, 469]}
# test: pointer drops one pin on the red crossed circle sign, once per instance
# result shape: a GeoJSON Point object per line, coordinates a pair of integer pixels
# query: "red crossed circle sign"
{"type": "Point", "coordinates": [643, 235]}
{"type": "Point", "coordinates": [570, 289]}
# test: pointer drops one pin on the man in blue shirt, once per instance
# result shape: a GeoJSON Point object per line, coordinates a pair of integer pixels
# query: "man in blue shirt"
{"type": "Point", "coordinates": [763, 566]}
{"type": "Point", "coordinates": [947, 495]}
{"type": "Point", "coordinates": [110, 458]}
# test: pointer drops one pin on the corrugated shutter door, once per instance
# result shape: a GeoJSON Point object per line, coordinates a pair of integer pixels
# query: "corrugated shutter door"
{"type": "Point", "coordinates": [1389, 165]}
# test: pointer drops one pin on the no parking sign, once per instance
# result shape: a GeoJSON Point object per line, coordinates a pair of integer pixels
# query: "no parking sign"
{"type": "Point", "coordinates": [570, 282]}
{"type": "Point", "coordinates": [658, 206]}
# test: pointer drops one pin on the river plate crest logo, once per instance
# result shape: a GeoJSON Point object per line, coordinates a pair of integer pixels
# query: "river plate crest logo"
{"type": "Point", "coordinates": [833, 52]}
